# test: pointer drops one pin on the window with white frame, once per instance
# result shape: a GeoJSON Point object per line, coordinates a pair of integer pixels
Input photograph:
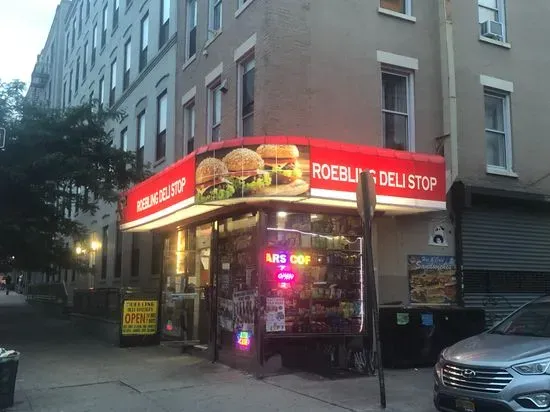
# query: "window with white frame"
{"type": "Point", "coordinates": [116, 8]}
{"type": "Point", "coordinates": [144, 42]}
{"type": "Point", "coordinates": [214, 111]}
{"type": "Point", "coordinates": [191, 29]}
{"type": "Point", "coordinates": [94, 44]}
{"type": "Point", "coordinates": [247, 74]}
{"type": "Point", "coordinates": [164, 28]}
{"type": "Point", "coordinates": [242, 3]}
{"type": "Point", "coordinates": [140, 149]}
{"type": "Point", "coordinates": [127, 64]}
{"type": "Point", "coordinates": [397, 115]}
{"type": "Point", "coordinates": [124, 139]}
{"type": "Point", "coordinates": [214, 17]}
{"type": "Point", "coordinates": [102, 91]}
{"type": "Point", "coordinates": [85, 62]}
{"type": "Point", "coordinates": [398, 6]}
{"type": "Point", "coordinates": [162, 115]}
{"type": "Point", "coordinates": [67, 44]}
{"type": "Point", "coordinates": [189, 124]}
{"type": "Point", "coordinates": [73, 39]}
{"type": "Point", "coordinates": [498, 137]}
{"type": "Point", "coordinates": [492, 19]}
{"type": "Point", "coordinates": [104, 22]}
{"type": "Point", "coordinates": [112, 89]}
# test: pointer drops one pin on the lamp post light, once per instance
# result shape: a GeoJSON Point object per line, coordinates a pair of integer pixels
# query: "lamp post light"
{"type": "Point", "coordinates": [89, 249]}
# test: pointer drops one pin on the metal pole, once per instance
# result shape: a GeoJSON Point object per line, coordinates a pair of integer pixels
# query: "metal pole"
{"type": "Point", "coordinates": [367, 205]}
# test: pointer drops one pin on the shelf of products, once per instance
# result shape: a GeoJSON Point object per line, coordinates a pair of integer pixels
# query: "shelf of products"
{"type": "Point", "coordinates": [313, 270]}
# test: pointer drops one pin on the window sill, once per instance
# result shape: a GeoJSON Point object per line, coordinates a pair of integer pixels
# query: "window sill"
{"type": "Point", "coordinates": [189, 61]}
{"type": "Point", "coordinates": [159, 162]}
{"type": "Point", "coordinates": [243, 7]}
{"type": "Point", "coordinates": [495, 42]}
{"type": "Point", "coordinates": [213, 38]}
{"type": "Point", "coordinates": [501, 172]}
{"type": "Point", "coordinates": [401, 16]}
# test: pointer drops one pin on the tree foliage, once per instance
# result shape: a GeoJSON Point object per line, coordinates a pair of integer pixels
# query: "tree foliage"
{"type": "Point", "coordinates": [54, 160]}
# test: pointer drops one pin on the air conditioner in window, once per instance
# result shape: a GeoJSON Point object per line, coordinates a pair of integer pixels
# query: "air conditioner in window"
{"type": "Point", "coordinates": [492, 29]}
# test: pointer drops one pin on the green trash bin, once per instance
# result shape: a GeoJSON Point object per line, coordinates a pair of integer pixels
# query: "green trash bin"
{"type": "Point", "coordinates": [9, 362]}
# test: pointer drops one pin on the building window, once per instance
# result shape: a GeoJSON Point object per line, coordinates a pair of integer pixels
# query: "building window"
{"type": "Point", "coordinates": [70, 86]}
{"type": "Point", "coordinates": [112, 89]}
{"type": "Point", "coordinates": [118, 251]}
{"type": "Point", "coordinates": [85, 62]}
{"type": "Point", "coordinates": [102, 91]}
{"type": "Point", "coordinates": [214, 17]}
{"type": "Point", "coordinates": [162, 114]}
{"type": "Point", "coordinates": [124, 139]}
{"type": "Point", "coordinates": [74, 33]}
{"type": "Point", "coordinates": [247, 71]}
{"type": "Point", "coordinates": [396, 109]}
{"type": "Point", "coordinates": [398, 6]}
{"type": "Point", "coordinates": [87, 9]}
{"type": "Point", "coordinates": [191, 38]}
{"type": "Point", "coordinates": [243, 3]}
{"type": "Point", "coordinates": [80, 19]}
{"type": "Point", "coordinates": [92, 97]}
{"type": "Point", "coordinates": [116, 7]}
{"type": "Point", "coordinates": [77, 75]}
{"type": "Point", "coordinates": [104, 27]}
{"type": "Point", "coordinates": [104, 247]}
{"type": "Point", "coordinates": [94, 44]}
{"type": "Point", "coordinates": [497, 130]}
{"type": "Point", "coordinates": [134, 264]}
{"type": "Point", "coordinates": [214, 112]}
{"type": "Point", "coordinates": [492, 19]}
{"type": "Point", "coordinates": [164, 28]}
{"type": "Point", "coordinates": [67, 44]}
{"type": "Point", "coordinates": [157, 253]}
{"type": "Point", "coordinates": [140, 149]}
{"type": "Point", "coordinates": [189, 124]}
{"type": "Point", "coordinates": [144, 42]}
{"type": "Point", "coordinates": [127, 64]}
{"type": "Point", "coordinates": [64, 93]}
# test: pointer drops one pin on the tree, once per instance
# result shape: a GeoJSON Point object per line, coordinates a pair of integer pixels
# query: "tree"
{"type": "Point", "coordinates": [54, 161]}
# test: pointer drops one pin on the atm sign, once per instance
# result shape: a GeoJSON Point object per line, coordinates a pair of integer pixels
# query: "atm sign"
{"type": "Point", "coordinates": [284, 258]}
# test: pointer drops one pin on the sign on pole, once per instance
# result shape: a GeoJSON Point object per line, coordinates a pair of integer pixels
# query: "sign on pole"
{"type": "Point", "coordinates": [2, 137]}
{"type": "Point", "coordinates": [366, 203]}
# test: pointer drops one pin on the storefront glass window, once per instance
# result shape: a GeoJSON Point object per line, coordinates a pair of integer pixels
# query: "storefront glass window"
{"type": "Point", "coordinates": [312, 266]}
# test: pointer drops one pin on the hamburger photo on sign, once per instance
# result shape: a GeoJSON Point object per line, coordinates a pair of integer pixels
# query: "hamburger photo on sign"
{"type": "Point", "coordinates": [264, 170]}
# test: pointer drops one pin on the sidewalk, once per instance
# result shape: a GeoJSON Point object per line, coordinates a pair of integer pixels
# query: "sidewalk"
{"type": "Point", "coordinates": [61, 370]}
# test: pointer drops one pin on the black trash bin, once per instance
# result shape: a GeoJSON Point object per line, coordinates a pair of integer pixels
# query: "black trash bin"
{"type": "Point", "coordinates": [8, 374]}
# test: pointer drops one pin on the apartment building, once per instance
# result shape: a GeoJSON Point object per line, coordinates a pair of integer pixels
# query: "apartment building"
{"type": "Point", "coordinates": [46, 79]}
{"type": "Point", "coordinates": [122, 55]}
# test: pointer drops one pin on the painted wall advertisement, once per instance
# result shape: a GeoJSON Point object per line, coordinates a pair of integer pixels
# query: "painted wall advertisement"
{"type": "Point", "coordinates": [139, 317]}
{"type": "Point", "coordinates": [432, 279]}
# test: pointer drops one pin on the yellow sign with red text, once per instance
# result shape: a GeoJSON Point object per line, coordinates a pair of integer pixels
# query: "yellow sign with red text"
{"type": "Point", "coordinates": [139, 317]}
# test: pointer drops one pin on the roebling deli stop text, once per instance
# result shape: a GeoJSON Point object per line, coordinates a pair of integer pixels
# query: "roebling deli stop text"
{"type": "Point", "coordinates": [261, 243]}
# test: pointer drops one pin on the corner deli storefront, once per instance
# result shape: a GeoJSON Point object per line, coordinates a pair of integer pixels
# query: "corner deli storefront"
{"type": "Point", "coordinates": [261, 241]}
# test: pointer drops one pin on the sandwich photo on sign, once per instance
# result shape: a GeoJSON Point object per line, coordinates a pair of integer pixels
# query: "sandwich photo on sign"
{"type": "Point", "coordinates": [254, 171]}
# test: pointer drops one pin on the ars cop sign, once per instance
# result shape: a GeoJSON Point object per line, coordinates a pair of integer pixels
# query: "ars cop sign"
{"type": "Point", "coordinates": [139, 317]}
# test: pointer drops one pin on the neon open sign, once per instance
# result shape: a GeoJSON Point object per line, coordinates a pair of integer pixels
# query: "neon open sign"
{"type": "Point", "coordinates": [286, 276]}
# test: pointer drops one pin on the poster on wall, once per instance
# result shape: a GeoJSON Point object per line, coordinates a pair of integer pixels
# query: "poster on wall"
{"type": "Point", "coordinates": [252, 171]}
{"type": "Point", "coordinates": [438, 234]}
{"type": "Point", "coordinates": [225, 314]}
{"type": "Point", "coordinates": [275, 314]}
{"type": "Point", "coordinates": [432, 279]}
{"type": "Point", "coordinates": [244, 305]}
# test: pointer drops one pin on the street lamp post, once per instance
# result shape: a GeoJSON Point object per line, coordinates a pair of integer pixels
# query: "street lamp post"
{"type": "Point", "coordinates": [89, 249]}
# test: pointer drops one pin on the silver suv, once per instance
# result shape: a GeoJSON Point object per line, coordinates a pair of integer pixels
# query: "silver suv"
{"type": "Point", "coordinates": [506, 368]}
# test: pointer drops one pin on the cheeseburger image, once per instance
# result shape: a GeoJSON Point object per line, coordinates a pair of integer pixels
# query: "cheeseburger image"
{"type": "Point", "coordinates": [282, 161]}
{"type": "Point", "coordinates": [246, 171]}
{"type": "Point", "coordinates": [211, 181]}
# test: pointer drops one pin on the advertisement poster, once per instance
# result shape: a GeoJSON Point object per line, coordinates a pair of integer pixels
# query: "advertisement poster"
{"type": "Point", "coordinates": [432, 279]}
{"type": "Point", "coordinates": [139, 317]}
{"type": "Point", "coordinates": [261, 170]}
{"type": "Point", "coordinates": [275, 315]}
{"type": "Point", "coordinates": [225, 314]}
{"type": "Point", "coordinates": [244, 304]}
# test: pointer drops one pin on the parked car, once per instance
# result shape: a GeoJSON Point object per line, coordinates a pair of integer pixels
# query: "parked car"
{"type": "Point", "coordinates": [506, 368]}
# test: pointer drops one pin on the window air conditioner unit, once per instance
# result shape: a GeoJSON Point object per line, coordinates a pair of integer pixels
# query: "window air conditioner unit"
{"type": "Point", "coordinates": [491, 29]}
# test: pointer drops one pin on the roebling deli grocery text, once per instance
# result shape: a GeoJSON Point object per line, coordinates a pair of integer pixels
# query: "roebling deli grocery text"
{"type": "Point", "coordinates": [139, 317]}
{"type": "Point", "coordinates": [165, 193]}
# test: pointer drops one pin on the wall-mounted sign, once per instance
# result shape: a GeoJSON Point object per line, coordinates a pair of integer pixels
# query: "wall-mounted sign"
{"type": "Point", "coordinates": [296, 168]}
{"type": "Point", "coordinates": [432, 279]}
{"type": "Point", "coordinates": [139, 317]}
{"type": "Point", "coordinates": [438, 234]}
